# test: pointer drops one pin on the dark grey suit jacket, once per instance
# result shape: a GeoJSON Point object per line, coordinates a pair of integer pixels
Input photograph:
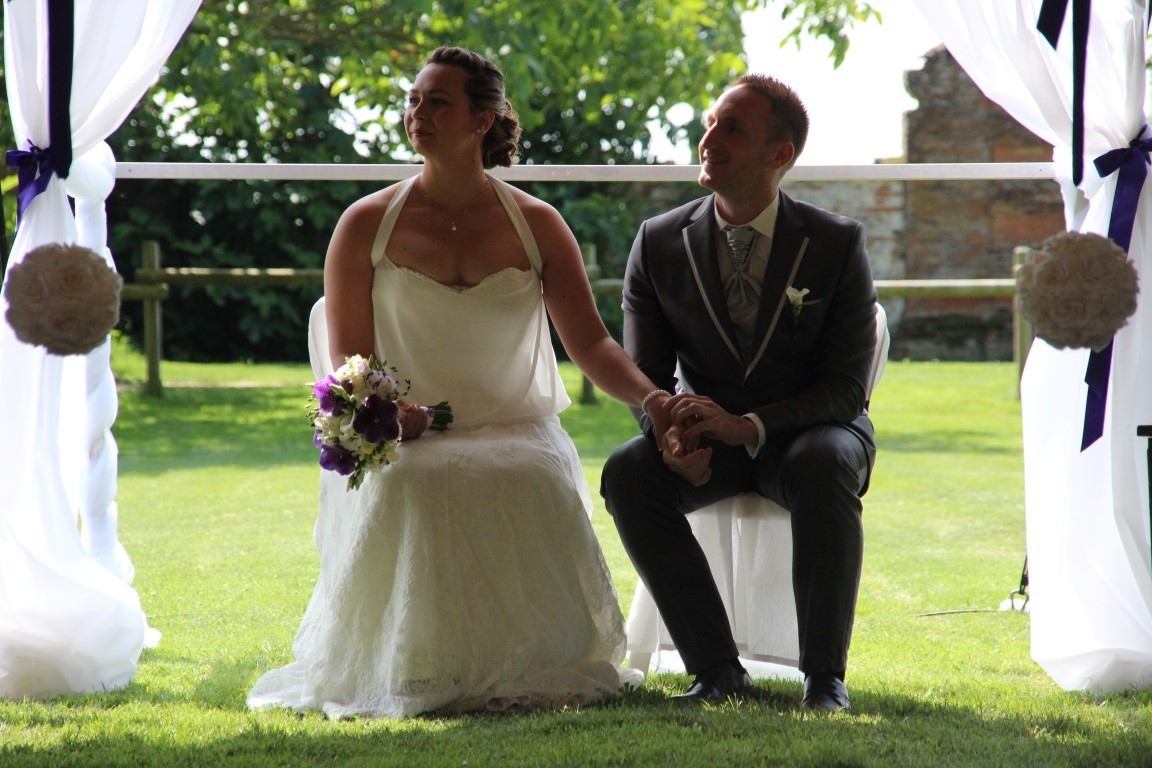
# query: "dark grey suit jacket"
{"type": "Point", "coordinates": [809, 369]}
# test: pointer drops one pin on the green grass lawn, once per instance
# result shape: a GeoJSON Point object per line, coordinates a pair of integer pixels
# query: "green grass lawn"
{"type": "Point", "coordinates": [217, 495]}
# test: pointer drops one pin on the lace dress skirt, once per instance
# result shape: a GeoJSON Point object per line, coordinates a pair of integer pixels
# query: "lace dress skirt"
{"type": "Point", "coordinates": [465, 576]}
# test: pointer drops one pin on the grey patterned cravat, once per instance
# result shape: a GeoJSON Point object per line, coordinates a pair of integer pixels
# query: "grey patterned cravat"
{"type": "Point", "coordinates": [742, 292]}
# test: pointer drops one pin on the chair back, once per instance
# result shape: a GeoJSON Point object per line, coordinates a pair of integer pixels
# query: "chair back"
{"type": "Point", "coordinates": [880, 356]}
{"type": "Point", "coordinates": [318, 354]}
{"type": "Point", "coordinates": [747, 540]}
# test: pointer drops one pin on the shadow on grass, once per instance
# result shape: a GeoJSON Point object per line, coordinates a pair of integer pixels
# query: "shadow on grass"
{"type": "Point", "coordinates": [200, 427]}
{"type": "Point", "coordinates": [642, 727]}
{"type": "Point", "coordinates": [258, 426]}
{"type": "Point", "coordinates": [951, 442]}
{"type": "Point", "coordinates": [212, 426]}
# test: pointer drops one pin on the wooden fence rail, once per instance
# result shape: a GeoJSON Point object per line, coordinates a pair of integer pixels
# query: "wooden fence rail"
{"type": "Point", "coordinates": [153, 283]}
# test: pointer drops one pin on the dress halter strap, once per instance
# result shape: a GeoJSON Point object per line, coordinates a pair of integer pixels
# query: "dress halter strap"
{"type": "Point", "coordinates": [503, 191]}
{"type": "Point", "coordinates": [516, 216]}
{"type": "Point", "coordinates": [391, 213]}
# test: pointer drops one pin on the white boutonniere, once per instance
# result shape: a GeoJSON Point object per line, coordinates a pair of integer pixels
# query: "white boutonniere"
{"type": "Point", "coordinates": [796, 299]}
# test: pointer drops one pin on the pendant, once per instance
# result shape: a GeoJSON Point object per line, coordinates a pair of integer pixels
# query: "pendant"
{"type": "Point", "coordinates": [453, 226]}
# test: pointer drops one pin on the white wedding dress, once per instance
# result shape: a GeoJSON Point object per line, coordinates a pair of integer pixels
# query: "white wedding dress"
{"type": "Point", "coordinates": [466, 575]}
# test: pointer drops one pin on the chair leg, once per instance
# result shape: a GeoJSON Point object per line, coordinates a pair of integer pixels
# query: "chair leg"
{"type": "Point", "coordinates": [639, 660]}
{"type": "Point", "coordinates": [1145, 430]}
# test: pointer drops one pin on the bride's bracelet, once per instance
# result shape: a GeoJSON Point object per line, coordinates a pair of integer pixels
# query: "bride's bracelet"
{"type": "Point", "coordinates": [648, 398]}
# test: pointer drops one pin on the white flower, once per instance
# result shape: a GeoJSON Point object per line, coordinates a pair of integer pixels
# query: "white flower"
{"type": "Point", "coordinates": [65, 298]}
{"type": "Point", "coordinates": [358, 371]}
{"type": "Point", "coordinates": [796, 299]}
{"type": "Point", "coordinates": [1078, 291]}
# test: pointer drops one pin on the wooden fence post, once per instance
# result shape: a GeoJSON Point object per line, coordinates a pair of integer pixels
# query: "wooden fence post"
{"type": "Point", "coordinates": [153, 324]}
{"type": "Point", "coordinates": [588, 251]}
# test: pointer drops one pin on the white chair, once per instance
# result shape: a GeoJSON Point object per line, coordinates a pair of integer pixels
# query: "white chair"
{"type": "Point", "coordinates": [748, 542]}
{"type": "Point", "coordinates": [318, 341]}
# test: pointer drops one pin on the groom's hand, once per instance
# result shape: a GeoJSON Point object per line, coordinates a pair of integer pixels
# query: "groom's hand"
{"type": "Point", "coordinates": [699, 416]}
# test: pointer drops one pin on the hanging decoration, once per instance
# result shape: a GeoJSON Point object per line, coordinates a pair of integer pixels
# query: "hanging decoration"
{"type": "Point", "coordinates": [1078, 290]}
{"type": "Point", "coordinates": [64, 298]}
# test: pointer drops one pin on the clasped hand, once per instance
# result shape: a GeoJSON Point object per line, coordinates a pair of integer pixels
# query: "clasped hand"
{"type": "Point", "coordinates": [692, 417]}
{"type": "Point", "coordinates": [414, 419]}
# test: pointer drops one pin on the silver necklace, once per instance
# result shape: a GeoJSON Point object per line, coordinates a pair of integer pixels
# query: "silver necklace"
{"type": "Point", "coordinates": [460, 214]}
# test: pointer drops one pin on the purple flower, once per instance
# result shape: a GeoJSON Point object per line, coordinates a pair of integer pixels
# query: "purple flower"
{"type": "Point", "coordinates": [377, 420]}
{"type": "Point", "coordinates": [336, 459]}
{"type": "Point", "coordinates": [328, 400]}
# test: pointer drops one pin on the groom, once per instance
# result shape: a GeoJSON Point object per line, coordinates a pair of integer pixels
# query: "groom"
{"type": "Point", "coordinates": [766, 307]}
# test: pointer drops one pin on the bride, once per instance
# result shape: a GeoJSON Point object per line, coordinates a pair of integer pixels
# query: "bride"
{"type": "Point", "coordinates": [466, 575]}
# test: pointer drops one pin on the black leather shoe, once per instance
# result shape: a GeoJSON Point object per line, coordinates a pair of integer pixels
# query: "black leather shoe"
{"type": "Point", "coordinates": [825, 693]}
{"type": "Point", "coordinates": [718, 683]}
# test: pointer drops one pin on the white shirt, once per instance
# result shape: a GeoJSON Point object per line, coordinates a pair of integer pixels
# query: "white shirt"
{"type": "Point", "coordinates": [765, 225]}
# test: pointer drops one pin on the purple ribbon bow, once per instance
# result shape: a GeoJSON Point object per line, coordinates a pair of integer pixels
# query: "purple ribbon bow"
{"type": "Point", "coordinates": [1131, 163]}
{"type": "Point", "coordinates": [35, 166]}
{"type": "Point", "coordinates": [33, 172]}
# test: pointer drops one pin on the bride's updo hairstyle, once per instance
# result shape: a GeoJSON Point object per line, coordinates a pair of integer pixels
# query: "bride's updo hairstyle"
{"type": "Point", "coordinates": [485, 89]}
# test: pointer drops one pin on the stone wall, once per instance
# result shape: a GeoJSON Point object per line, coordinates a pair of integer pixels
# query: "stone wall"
{"type": "Point", "coordinates": [949, 229]}
{"type": "Point", "coordinates": [880, 207]}
{"type": "Point", "coordinates": [966, 229]}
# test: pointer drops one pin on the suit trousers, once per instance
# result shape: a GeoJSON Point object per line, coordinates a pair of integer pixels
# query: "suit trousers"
{"type": "Point", "coordinates": [818, 476]}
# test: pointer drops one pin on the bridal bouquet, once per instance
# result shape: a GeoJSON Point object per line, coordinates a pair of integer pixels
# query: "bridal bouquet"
{"type": "Point", "coordinates": [356, 419]}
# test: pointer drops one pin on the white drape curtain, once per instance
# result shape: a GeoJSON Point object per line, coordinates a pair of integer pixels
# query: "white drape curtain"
{"type": "Point", "coordinates": [69, 621]}
{"type": "Point", "coordinates": [1087, 513]}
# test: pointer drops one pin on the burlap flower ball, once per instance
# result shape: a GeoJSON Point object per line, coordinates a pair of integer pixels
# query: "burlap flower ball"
{"type": "Point", "coordinates": [64, 298]}
{"type": "Point", "coordinates": [1078, 290]}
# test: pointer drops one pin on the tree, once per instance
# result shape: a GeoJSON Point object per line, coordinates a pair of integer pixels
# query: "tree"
{"type": "Point", "coordinates": [323, 81]}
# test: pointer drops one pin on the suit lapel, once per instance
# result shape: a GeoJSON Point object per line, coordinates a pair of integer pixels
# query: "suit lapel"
{"type": "Point", "coordinates": [700, 244]}
{"type": "Point", "coordinates": [789, 244]}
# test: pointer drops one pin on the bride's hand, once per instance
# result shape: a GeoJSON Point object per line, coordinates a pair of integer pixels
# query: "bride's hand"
{"type": "Point", "coordinates": [685, 457]}
{"type": "Point", "coordinates": [413, 420]}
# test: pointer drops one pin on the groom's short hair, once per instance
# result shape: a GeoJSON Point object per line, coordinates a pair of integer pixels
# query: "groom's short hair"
{"type": "Point", "coordinates": [789, 117]}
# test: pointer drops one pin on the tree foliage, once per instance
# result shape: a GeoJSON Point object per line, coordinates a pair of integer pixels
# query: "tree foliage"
{"type": "Point", "coordinates": [323, 81]}
{"type": "Point", "coordinates": [828, 19]}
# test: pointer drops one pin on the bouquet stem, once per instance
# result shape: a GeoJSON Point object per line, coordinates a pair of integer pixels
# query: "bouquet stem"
{"type": "Point", "coordinates": [440, 415]}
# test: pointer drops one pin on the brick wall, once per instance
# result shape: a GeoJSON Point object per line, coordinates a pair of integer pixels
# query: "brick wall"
{"type": "Point", "coordinates": [880, 207]}
{"type": "Point", "coordinates": [967, 228]}
{"type": "Point", "coordinates": [958, 229]}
